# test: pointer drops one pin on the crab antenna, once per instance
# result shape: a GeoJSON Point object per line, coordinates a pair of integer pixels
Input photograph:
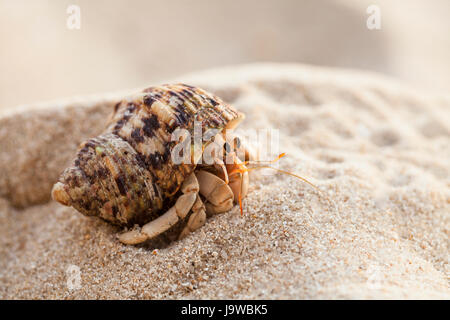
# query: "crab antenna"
{"type": "Point", "coordinates": [266, 161]}
{"type": "Point", "coordinates": [280, 170]}
{"type": "Point", "coordinates": [240, 203]}
{"type": "Point", "coordinates": [241, 170]}
{"type": "Point", "coordinates": [288, 173]}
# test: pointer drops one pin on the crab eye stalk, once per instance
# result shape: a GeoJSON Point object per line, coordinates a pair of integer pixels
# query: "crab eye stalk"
{"type": "Point", "coordinates": [237, 142]}
{"type": "Point", "coordinates": [227, 147]}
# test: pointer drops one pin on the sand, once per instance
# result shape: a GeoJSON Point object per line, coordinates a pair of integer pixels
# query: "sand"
{"type": "Point", "coordinates": [377, 150]}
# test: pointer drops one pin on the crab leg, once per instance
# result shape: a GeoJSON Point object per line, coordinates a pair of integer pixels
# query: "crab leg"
{"type": "Point", "coordinates": [196, 220]}
{"type": "Point", "coordinates": [179, 211]}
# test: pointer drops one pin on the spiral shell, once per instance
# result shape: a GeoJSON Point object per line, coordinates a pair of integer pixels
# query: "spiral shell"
{"type": "Point", "coordinates": [126, 175]}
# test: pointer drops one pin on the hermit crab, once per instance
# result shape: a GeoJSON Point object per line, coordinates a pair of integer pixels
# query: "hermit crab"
{"type": "Point", "coordinates": [128, 175]}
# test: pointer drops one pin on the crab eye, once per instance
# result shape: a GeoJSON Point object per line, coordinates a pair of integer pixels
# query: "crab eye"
{"type": "Point", "coordinates": [237, 142]}
{"type": "Point", "coordinates": [227, 147]}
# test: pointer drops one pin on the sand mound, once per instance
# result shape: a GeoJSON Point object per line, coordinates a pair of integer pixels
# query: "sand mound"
{"type": "Point", "coordinates": [379, 150]}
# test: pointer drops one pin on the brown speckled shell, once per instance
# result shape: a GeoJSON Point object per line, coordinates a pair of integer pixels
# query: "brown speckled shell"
{"type": "Point", "coordinates": [126, 175]}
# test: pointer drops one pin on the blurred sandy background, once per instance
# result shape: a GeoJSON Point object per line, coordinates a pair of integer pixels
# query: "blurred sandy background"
{"type": "Point", "coordinates": [127, 44]}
